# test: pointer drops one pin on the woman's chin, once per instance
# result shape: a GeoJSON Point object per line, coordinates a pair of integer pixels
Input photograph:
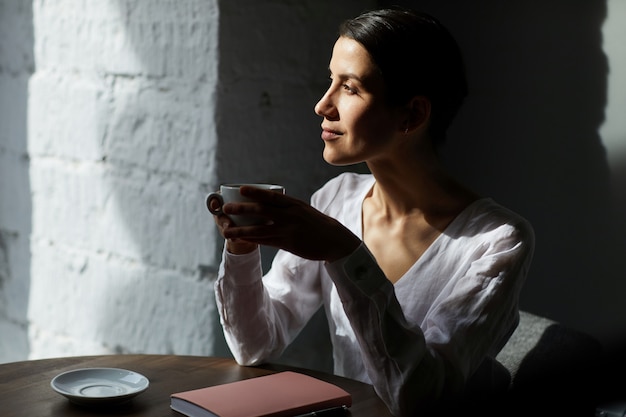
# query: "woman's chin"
{"type": "Point", "coordinates": [340, 162]}
{"type": "Point", "coordinates": [332, 159]}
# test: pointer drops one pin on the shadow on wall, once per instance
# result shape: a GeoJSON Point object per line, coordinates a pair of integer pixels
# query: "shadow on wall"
{"type": "Point", "coordinates": [16, 67]}
{"type": "Point", "coordinates": [528, 136]}
{"type": "Point", "coordinates": [269, 132]}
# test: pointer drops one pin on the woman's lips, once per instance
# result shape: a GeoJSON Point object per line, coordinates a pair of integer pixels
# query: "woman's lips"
{"type": "Point", "coordinates": [328, 134]}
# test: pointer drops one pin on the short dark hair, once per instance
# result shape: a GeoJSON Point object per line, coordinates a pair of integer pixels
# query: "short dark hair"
{"type": "Point", "coordinates": [416, 55]}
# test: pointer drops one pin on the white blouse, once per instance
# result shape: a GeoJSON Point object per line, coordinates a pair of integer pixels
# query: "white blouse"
{"type": "Point", "coordinates": [413, 340]}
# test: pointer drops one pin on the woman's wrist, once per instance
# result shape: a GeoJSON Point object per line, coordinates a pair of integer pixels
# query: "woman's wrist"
{"type": "Point", "coordinates": [345, 249]}
{"type": "Point", "coordinates": [239, 247]}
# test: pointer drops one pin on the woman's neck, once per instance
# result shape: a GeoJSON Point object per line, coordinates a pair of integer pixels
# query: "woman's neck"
{"type": "Point", "coordinates": [409, 186]}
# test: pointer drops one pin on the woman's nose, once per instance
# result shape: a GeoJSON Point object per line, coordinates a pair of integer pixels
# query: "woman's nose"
{"type": "Point", "coordinates": [325, 106]}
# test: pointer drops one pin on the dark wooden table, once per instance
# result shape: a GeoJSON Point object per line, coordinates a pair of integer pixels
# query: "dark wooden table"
{"type": "Point", "coordinates": [25, 389]}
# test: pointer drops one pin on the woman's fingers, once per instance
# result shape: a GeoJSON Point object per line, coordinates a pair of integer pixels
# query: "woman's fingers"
{"type": "Point", "coordinates": [243, 208]}
{"type": "Point", "coordinates": [273, 211]}
{"type": "Point", "coordinates": [292, 225]}
{"type": "Point", "coordinates": [266, 196]}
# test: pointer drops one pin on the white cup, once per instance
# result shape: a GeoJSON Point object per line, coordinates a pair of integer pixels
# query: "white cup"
{"type": "Point", "coordinates": [229, 193]}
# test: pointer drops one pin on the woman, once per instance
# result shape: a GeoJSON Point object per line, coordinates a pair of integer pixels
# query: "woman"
{"type": "Point", "coordinates": [419, 276]}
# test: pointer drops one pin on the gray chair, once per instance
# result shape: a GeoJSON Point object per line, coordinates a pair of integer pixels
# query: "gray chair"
{"type": "Point", "coordinates": [555, 370]}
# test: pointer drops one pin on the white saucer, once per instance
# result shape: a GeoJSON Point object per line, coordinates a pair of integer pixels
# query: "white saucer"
{"type": "Point", "coordinates": [99, 385]}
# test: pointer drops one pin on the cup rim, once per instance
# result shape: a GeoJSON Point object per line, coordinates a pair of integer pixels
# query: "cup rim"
{"type": "Point", "coordinates": [267, 186]}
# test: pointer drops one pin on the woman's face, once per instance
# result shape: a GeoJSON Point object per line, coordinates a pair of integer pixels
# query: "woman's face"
{"type": "Point", "coordinates": [358, 124]}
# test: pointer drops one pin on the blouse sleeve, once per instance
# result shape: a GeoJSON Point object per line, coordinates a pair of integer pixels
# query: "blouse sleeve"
{"type": "Point", "coordinates": [260, 315]}
{"type": "Point", "coordinates": [411, 365]}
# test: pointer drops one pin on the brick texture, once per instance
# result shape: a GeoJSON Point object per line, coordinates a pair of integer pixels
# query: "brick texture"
{"type": "Point", "coordinates": [126, 113]}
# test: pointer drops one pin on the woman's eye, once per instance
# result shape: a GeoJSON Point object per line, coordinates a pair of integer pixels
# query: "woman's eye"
{"type": "Point", "coordinates": [349, 89]}
{"type": "Point", "coordinates": [346, 87]}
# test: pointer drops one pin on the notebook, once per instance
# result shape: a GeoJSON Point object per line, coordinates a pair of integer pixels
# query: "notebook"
{"type": "Point", "coordinates": [282, 394]}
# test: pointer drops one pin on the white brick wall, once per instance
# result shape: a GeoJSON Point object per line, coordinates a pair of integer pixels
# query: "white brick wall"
{"type": "Point", "coordinates": [122, 141]}
{"type": "Point", "coordinates": [135, 111]}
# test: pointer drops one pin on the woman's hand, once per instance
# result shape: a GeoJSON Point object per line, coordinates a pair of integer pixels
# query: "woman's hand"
{"type": "Point", "coordinates": [292, 225]}
{"type": "Point", "coordinates": [223, 222]}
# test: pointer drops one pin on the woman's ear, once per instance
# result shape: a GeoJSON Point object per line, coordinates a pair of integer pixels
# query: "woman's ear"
{"type": "Point", "coordinates": [417, 114]}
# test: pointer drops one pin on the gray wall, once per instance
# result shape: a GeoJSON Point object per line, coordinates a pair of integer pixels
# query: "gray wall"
{"type": "Point", "coordinates": [16, 67]}
{"type": "Point", "coordinates": [540, 134]}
